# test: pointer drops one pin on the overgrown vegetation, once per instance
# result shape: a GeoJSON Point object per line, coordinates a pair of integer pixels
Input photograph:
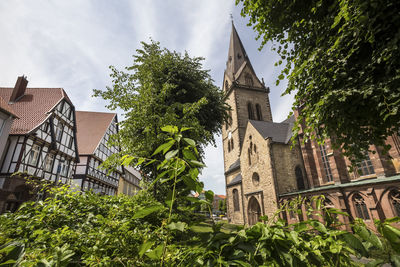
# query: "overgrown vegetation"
{"type": "Point", "coordinates": [161, 88]}
{"type": "Point", "coordinates": [342, 62]}
{"type": "Point", "coordinates": [85, 229]}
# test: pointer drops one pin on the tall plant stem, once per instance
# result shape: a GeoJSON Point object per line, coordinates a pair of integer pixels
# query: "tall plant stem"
{"type": "Point", "coordinates": [170, 212]}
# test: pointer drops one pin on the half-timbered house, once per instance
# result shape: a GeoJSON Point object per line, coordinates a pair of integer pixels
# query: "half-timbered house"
{"type": "Point", "coordinates": [93, 131]}
{"type": "Point", "coordinates": [129, 184]}
{"type": "Point", "coordinates": [42, 140]}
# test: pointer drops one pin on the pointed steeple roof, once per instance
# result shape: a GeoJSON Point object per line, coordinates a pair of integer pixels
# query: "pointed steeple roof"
{"type": "Point", "coordinates": [237, 55]}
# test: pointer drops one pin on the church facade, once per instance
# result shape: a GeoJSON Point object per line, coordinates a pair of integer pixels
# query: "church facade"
{"type": "Point", "coordinates": [263, 171]}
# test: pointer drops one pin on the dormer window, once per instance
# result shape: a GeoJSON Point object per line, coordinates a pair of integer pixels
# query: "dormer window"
{"type": "Point", "coordinates": [239, 56]}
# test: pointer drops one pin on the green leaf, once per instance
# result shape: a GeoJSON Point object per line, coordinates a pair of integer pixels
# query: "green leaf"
{"type": "Point", "coordinates": [147, 211]}
{"type": "Point", "coordinates": [156, 253]}
{"type": "Point", "coordinates": [164, 147]}
{"type": "Point", "coordinates": [170, 129]}
{"type": "Point", "coordinates": [242, 263]}
{"type": "Point", "coordinates": [393, 220]}
{"type": "Point", "coordinates": [368, 236]}
{"type": "Point", "coordinates": [395, 259]}
{"type": "Point", "coordinates": [374, 263]}
{"type": "Point", "coordinates": [209, 195]}
{"type": "Point", "coordinates": [180, 226]}
{"type": "Point", "coordinates": [188, 155]}
{"type": "Point", "coordinates": [197, 163]}
{"type": "Point", "coordinates": [190, 141]}
{"type": "Point", "coordinates": [355, 244]}
{"type": "Point", "coordinates": [145, 247]}
{"type": "Point", "coordinates": [171, 154]}
{"type": "Point", "coordinates": [191, 184]}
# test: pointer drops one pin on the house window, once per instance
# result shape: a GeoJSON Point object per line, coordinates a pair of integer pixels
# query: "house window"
{"type": "Point", "coordinates": [64, 168]}
{"type": "Point", "coordinates": [59, 131]}
{"type": "Point", "coordinates": [365, 167]}
{"type": "Point", "coordinates": [250, 111]}
{"type": "Point", "coordinates": [71, 139]}
{"type": "Point", "coordinates": [299, 178]}
{"type": "Point", "coordinates": [394, 198]}
{"type": "Point", "coordinates": [235, 194]}
{"type": "Point", "coordinates": [34, 155]}
{"type": "Point", "coordinates": [325, 161]}
{"type": "Point", "coordinates": [45, 127]}
{"type": "Point", "coordinates": [258, 111]}
{"type": "Point", "coordinates": [49, 162]}
{"type": "Point", "coordinates": [360, 207]}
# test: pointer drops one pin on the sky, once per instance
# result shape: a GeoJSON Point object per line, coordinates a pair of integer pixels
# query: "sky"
{"type": "Point", "coordinates": [71, 44]}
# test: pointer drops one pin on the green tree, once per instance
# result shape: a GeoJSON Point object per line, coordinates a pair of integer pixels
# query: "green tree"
{"type": "Point", "coordinates": [163, 88]}
{"type": "Point", "coordinates": [342, 60]}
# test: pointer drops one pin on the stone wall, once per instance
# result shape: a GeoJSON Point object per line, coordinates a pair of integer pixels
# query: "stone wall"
{"type": "Point", "coordinates": [285, 161]}
{"type": "Point", "coordinates": [257, 149]}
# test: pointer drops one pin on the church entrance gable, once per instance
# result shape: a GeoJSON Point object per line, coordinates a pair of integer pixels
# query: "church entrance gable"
{"type": "Point", "coordinates": [254, 211]}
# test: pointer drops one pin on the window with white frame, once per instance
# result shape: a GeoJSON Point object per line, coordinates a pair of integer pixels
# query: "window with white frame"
{"type": "Point", "coordinates": [59, 131]}
{"type": "Point", "coordinates": [34, 155]}
{"type": "Point", "coordinates": [48, 164]}
{"type": "Point", "coordinates": [64, 168]}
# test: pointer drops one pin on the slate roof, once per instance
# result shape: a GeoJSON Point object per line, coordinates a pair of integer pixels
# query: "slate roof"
{"type": "Point", "coordinates": [33, 107]}
{"type": "Point", "coordinates": [91, 127]}
{"type": "Point", "coordinates": [279, 132]}
{"type": "Point", "coordinates": [234, 166]}
{"type": "Point", "coordinates": [236, 180]}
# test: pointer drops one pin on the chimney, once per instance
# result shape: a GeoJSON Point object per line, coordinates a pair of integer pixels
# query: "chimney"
{"type": "Point", "coordinates": [19, 88]}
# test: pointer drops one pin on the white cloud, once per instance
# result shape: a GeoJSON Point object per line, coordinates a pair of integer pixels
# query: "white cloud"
{"type": "Point", "coordinates": [70, 44]}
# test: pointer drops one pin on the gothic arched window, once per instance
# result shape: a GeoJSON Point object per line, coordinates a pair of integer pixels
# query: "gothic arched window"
{"type": "Point", "coordinates": [226, 85]}
{"type": "Point", "coordinates": [325, 161]}
{"type": "Point", "coordinates": [394, 198]}
{"type": "Point", "coordinates": [250, 111]}
{"type": "Point", "coordinates": [249, 155]}
{"type": "Point", "coordinates": [255, 179]}
{"type": "Point", "coordinates": [365, 167]}
{"type": "Point", "coordinates": [299, 178]}
{"type": "Point", "coordinates": [360, 207]}
{"type": "Point", "coordinates": [235, 194]}
{"type": "Point", "coordinates": [232, 144]}
{"type": "Point", "coordinates": [258, 111]}
{"type": "Point", "coordinates": [229, 146]}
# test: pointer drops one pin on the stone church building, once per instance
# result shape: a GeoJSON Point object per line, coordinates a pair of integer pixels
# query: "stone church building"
{"type": "Point", "coordinates": [262, 171]}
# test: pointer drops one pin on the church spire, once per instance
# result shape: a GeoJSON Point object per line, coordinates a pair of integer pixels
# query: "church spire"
{"type": "Point", "coordinates": [237, 55]}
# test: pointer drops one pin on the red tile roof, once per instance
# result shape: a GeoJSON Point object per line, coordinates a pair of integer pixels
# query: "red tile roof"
{"type": "Point", "coordinates": [91, 127]}
{"type": "Point", "coordinates": [33, 107]}
{"type": "Point", "coordinates": [6, 108]}
{"type": "Point", "coordinates": [221, 196]}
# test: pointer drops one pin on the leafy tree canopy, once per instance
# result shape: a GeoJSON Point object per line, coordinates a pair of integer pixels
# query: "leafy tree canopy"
{"type": "Point", "coordinates": [342, 60]}
{"type": "Point", "coordinates": [163, 88]}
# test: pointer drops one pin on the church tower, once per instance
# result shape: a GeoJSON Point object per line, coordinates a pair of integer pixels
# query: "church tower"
{"type": "Point", "coordinates": [246, 95]}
